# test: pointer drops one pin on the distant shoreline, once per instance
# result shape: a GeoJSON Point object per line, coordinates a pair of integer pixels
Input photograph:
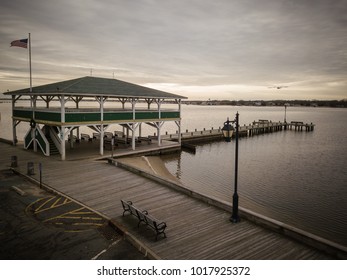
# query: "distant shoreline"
{"type": "Point", "coordinates": [258, 103]}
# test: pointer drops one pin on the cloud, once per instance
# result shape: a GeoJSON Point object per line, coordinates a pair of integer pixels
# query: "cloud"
{"type": "Point", "coordinates": [193, 43]}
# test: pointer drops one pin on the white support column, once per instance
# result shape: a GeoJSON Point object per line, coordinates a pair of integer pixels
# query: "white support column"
{"type": "Point", "coordinates": [133, 137]}
{"type": "Point", "coordinates": [77, 102]}
{"type": "Point", "coordinates": [132, 127]}
{"type": "Point", "coordinates": [14, 125]}
{"type": "Point", "coordinates": [123, 100]}
{"type": "Point", "coordinates": [133, 103]}
{"type": "Point", "coordinates": [33, 129]}
{"type": "Point", "coordinates": [159, 125]}
{"type": "Point", "coordinates": [159, 135]}
{"type": "Point", "coordinates": [159, 101]}
{"type": "Point", "coordinates": [101, 101]}
{"type": "Point", "coordinates": [179, 122]}
{"type": "Point", "coordinates": [62, 128]}
{"type": "Point", "coordinates": [62, 143]}
{"type": "Point", "coordinates": [71, 138]}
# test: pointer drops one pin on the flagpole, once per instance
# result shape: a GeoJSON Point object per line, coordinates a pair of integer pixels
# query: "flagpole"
{"type": "Point", "coordinates": [31, 84]}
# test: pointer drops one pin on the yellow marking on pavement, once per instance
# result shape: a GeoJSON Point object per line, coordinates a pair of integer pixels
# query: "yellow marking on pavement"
{"type": "Point", "coordinates": [87, 224]}
{"type": "Point", "coordinates": [84, 213]}
{"type": "Point", "coordinates": [31, 204]}
{"type": "Point", "coordinates": [76, 230]}
{"type": "Point", "coordinates": [80, 214]}
{"type": "Point", "coordinates": [43, 204]}
{"type": "Point", "coordinates": [80, 218]}
{"type": "Point", "coordinates": [65, 216]}
{"type": "Point", "coordinates": [50, 208]}
{"type": "Point", "coordinates": [76, 210]}
{"type": "Point", "coordinates": [56, 202]}
{"type": "Point", "coordinates": [52, 218]}
{"type": "Point", "coordinates": [66, 200]}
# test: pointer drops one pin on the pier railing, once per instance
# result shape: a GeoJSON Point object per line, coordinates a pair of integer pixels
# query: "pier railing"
{"type": "Point", "coordinates": [255, 128]}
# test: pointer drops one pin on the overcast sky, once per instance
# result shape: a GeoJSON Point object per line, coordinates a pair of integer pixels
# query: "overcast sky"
{"type": "Point", "coordinates": [220, 49]}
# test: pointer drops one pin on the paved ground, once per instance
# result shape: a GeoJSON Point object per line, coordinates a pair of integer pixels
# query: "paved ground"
{"type": "Point", "coordinates": [35, 224]}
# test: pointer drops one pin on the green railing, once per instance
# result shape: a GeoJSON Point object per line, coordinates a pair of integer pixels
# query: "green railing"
{"type": "Point", "coordinates": [42, 141]}
{"type": "Point", "coordinates": [90, 117]}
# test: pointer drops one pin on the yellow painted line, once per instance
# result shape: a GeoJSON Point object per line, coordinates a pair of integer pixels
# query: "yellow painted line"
{"type": "Point", "coordinates": [56, 202]}
{"type": "Point", "coordinates": [64, 216]}
{"type": "Point", "coordinates": [84, 213]}
{"type": "Point", "coordinates": [36, 201]}
{"type": "Point", "coordinates": [49, 208]}
{"type": "Point", "coordinates": [76, 210]}
{"type": "Point", "coordinates": [87, 224]}
{"type": "Point", "coordinates": [52, 218]}
{"type": "Point", "coordinates": [80, 218]}
{"type": "Point", "coordinates": [43, 204]}
{"type": "Point", "coordinates": [77, 230]}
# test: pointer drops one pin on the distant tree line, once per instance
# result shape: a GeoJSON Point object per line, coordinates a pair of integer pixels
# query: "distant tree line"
{"type": "Point", "coordinates": [305, 103]}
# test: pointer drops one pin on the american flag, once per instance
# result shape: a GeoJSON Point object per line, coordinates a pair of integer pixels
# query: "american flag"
{"type": "Point", "coordinates": [22, 43]}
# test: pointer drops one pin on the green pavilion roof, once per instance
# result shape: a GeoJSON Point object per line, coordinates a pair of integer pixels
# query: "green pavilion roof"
{"type": "Point", "coordinates": [94, 86]}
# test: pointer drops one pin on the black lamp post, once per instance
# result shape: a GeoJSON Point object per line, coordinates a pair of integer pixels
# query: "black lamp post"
{"type": "Point", "coordinates": [227, 133]}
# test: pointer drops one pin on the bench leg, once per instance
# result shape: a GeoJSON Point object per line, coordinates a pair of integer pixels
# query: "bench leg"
{"type": "Point", "coordinates": [126, 210]}
{"type": "Point", "coordinates": [159, 233]}
{"type": "Point", "coordinates": [140, 221]}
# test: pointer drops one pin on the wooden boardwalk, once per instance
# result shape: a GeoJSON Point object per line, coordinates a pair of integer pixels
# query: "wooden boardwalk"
{"type": "Point", "coordinates": [195, 229]}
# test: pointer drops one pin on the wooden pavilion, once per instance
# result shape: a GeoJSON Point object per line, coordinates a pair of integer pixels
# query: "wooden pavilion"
{"type": "Point", "coordinates": [51, 118]}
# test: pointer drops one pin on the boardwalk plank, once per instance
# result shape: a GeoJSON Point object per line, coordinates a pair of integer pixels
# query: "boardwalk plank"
{"type": "Point", "coordinates": [195, 230]}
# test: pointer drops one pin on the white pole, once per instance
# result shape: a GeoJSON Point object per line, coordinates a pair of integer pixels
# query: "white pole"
{"type": "Point", "coordinates": [31, 84]}
{"type": "Point", "coordinates": [102, 125]}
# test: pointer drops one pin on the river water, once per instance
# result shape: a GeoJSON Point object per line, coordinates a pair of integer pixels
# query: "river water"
{"type": "Point", "coordinates": [299, 178]}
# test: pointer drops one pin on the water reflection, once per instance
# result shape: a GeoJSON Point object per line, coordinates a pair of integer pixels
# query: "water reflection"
{"type": "Point", "coordinates": [294, 177]}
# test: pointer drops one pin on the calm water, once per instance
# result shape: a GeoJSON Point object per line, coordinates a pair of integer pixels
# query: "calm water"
{"type": "Point", "coordinates": [295, 177]}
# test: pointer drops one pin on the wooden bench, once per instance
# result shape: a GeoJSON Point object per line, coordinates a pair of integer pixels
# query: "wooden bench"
{"type": "Point", "coordinates": [108, 135]}
{"type": "Point", "coordinates": [143, 217]}
{"type": "Point", "coordinates": [85, 137]}
{"type": "Point", "coordinates": [145, 139]}
{"type": "Point", "coordinates": [121, 141]}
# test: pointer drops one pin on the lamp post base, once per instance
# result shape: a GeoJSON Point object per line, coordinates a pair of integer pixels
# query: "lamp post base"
{"type": "Point", "coordinates": [235, 220]}
{"type": "Point", "coordinates": [235, 216]}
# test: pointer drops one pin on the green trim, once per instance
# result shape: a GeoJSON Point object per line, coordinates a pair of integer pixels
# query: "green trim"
{"type": "Point", "coordinates": [27, 140]}
{"type": "Point", "coordinates": [82, 117]}
{"type": "Point", "coordinates": [94, 117]}
{"type": "Point", "coordinates": [23, 114]}
{"type": "Point", "coordinates": [48, 116]}
{"type": "Point", "coordinates": [41, 141]}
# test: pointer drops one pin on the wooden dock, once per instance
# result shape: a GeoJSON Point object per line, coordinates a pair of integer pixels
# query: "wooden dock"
{"type": "Point", "coordinates": [255, 128]}
{"type": "Point", "coordinates": [196, 230]}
